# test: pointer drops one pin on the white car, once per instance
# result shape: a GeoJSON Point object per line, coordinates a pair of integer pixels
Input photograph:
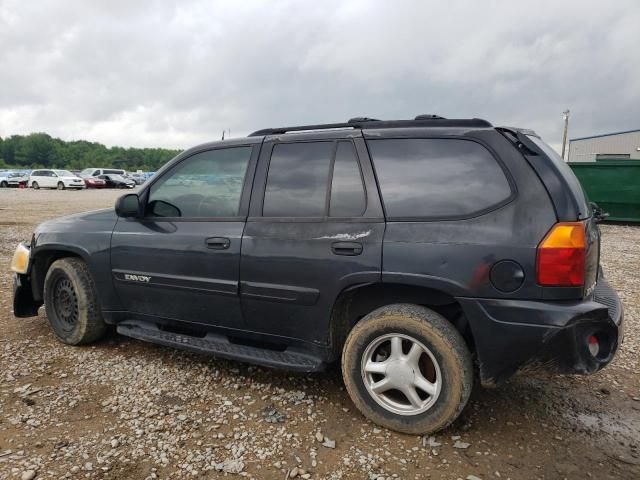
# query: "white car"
{"type": "Point", "coordinates": [96, 172]}
{"type": "Point", "coordinates": [59, 179]}
{"type": "Point", "coordinates": [12, 179]}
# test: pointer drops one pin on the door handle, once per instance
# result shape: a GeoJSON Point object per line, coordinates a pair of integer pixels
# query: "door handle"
{"type": "Point", "coordinates": [218, 243]}
{"type": "Point", "coordinates": [346, 248]}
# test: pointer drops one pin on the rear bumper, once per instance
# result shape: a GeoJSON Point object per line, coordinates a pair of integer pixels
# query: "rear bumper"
{"type": "Point", "coordinates": [520, 335]}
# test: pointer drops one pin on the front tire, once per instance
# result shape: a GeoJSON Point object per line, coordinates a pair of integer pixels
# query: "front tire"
{"type": "Point", "coordinates": [408, 369]}
{"type": "Point", "coordinates": [71, 302]}
{"type": "Point", "coordinates": [60, 186]}
{"type": "Point", "coordinates": [35, 185]}
{"type": "Point", "coordinates": [4, 184]}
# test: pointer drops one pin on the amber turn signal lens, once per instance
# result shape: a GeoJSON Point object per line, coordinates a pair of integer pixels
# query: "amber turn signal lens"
{"type": "Point", "coordinates": [565, 235]}
{"type": "Point", "coordinates": [20, 260]}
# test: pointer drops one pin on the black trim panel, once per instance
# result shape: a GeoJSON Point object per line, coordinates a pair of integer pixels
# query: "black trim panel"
{"type": "Point", "coordinates": [280, 293]}
{"type": "Point", "coordinates": [205, 285]}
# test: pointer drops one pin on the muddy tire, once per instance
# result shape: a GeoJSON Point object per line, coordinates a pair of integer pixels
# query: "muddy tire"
{"type": "Point", "coordinates": [408, 369]}
{"type": "Point", "coordinates": [71, 302]}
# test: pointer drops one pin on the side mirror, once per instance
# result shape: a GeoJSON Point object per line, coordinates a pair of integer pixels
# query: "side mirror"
{"type": "Point", "coordinates": [128, 206]}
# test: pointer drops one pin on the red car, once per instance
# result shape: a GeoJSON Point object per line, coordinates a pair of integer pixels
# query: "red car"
{"type": "Point", "coordinates": [93, 182]}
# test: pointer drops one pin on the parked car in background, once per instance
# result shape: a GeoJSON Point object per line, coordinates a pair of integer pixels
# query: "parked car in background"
{"type": "Point", "coordinates": [94, 182]}
{"type": "Point", "coordinates": [96, 172]}
{"type": "Point", "coordinates": [117, 181]}
{"type": "Point", "coordinates": [139, 178]}
{"type": "Point", "coordinates": [60, 179]}
{"type": "Point", "coordinates": [13, 178]}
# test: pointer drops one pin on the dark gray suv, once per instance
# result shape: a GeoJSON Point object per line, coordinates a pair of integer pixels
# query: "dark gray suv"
{"type": "Point", "coordinates": [411, 251]}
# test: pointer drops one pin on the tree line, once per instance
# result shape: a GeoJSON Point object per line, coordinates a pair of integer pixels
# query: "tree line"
{"type": "Point", "coordinates": [39, 150]}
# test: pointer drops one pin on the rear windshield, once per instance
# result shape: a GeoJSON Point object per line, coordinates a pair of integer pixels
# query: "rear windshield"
{"type": "Point", "coordinates": [564, 169]}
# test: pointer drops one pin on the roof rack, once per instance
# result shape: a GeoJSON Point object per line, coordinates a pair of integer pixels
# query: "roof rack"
{"type": "Point", "coordinates": [365, 122]}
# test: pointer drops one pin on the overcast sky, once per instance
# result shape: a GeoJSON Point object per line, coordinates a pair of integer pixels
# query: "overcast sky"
{"type": "Point", "coordinates": [171, 74]}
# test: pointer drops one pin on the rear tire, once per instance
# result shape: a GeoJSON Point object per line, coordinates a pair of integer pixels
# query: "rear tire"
{"type": "Point", "coordinates": [71, 302]}
{"type": "Point", "coordinates": [35, 186]}
{"type": "Point", "coordinates": [437, 378]}
{"type": "Point", "coordinates": [60, 186]}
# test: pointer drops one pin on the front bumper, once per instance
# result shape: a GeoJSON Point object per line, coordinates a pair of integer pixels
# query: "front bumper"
{"type": "Point", "coordinates": [520, 335]}
{"type": "Point", "coordinates": [24, 304]}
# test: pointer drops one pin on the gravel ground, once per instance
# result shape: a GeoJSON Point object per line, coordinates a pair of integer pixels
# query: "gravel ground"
{"type": "Point", "coordinates": [127, 410]}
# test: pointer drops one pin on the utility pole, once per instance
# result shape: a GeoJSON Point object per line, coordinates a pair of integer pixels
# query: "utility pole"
{"type": "Point", "coordinates": [565, 116]}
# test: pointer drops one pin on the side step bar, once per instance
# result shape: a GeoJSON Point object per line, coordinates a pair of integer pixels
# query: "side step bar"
{"type": "Point", "coordinates": [220, 347]}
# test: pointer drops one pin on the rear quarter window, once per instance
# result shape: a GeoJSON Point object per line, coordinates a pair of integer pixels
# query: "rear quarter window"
{"type": "Point", "coordinates": [437, 178]}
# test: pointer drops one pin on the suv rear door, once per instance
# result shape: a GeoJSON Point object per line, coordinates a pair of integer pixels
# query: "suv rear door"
{"type": "Point", "coordinates": [181, 260]}
{"type": "Point", "coordinates": [315, 227]}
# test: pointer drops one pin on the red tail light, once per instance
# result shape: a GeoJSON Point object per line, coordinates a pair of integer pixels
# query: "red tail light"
{"type": "Point", "coordinates": [561, 256]}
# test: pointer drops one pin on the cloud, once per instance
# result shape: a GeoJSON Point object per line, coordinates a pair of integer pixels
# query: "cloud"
{"type": "Point", "coordinates": [175, 74]}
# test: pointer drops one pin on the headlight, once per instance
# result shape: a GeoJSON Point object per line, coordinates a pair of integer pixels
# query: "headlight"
{"type": "Point", "coordinates": [20, 260]}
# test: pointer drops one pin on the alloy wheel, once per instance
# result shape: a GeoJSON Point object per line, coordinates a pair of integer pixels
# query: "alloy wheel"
{"type": "Point", "coordinates": [401, 374]}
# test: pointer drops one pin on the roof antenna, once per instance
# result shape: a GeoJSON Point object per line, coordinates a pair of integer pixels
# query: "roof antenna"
{"type": "Point", "coordinates": [428, 116]}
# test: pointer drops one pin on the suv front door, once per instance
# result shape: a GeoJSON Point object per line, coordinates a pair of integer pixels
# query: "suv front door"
{"type": "Point", "coordinates": [315, 228]}
{"type": "Point", "coordinates": [180, 261]}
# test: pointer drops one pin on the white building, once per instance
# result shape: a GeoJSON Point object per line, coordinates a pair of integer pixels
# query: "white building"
{"type": "Point", "coordinates": [610, 145]}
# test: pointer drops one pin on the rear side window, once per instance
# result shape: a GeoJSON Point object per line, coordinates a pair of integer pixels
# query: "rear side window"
{"type": "Point", "coordinates": [347, 190]}
{"type": "Point", "coordinates": [297, 180]}
{"type": "Point", "coordinates": [437, 178]}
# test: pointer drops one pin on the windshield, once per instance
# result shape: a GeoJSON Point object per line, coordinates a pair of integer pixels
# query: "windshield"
{"type": "Point", "coordinates": [566, 172]}
{"type": "Point", "coordinates": [64, 173]}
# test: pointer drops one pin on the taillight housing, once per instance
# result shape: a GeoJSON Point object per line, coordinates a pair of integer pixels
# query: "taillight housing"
{"type": "Point", "coordinates": [561, 256]}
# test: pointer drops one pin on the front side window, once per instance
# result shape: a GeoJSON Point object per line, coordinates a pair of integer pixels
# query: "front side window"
{"type": "Point", "coordinates": [297, 180]}
{"type": "Point", "coordinates": [437, 178]}
{"type": "Point", "coordinates": [206, 185]}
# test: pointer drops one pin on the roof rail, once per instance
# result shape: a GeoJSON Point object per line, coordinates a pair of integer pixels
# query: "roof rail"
{"type": "Point", "coordinates": [364, 122]}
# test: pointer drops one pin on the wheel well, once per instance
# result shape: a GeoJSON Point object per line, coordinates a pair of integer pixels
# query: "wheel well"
{"type": "Point", "coordinates": [40, 267]}
{"type": "Point", "coordinates": [353, 304]}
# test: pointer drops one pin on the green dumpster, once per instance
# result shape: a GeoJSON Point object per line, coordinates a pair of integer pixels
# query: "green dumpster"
{"type": "Point", "coordinates": [614, 185]}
